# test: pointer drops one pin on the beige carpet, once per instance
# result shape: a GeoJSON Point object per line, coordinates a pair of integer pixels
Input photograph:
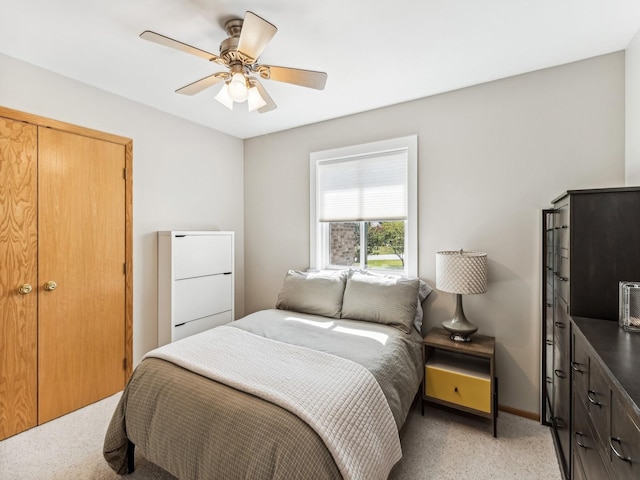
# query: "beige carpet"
{"type": "Point", "coordinates": [440, 445]}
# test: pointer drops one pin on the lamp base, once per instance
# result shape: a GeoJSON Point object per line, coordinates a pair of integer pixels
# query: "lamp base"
{"type": "Point", "coordinates": [457, 337]}
{"type": "Point", "coordinates": [458, 326]}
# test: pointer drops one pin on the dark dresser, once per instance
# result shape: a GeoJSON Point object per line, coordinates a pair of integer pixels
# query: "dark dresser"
{"type": "Point", "coordinates": [591, 242]}
{"type": "Point", "coordinates": [606, 395]}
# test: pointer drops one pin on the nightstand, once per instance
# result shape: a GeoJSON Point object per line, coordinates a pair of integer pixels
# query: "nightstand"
{"type": "Point", "coordinates": [460, 375]}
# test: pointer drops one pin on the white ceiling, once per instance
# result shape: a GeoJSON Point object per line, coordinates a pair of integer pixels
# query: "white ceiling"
{"type": "Point", "coordinates": [376, 52]}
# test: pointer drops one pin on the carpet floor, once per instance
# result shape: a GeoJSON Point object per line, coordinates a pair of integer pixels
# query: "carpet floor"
{"type": "Point", "coordinates": [441, 445]}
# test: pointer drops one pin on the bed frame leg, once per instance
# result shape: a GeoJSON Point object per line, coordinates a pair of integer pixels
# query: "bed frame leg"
{"type": "Point", "coordinates": [130, 456]}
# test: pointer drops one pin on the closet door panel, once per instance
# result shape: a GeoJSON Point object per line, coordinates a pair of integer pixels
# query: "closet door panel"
{"type": "Point", "coordinates": [81, 247]}
{"type": "Point", "coordinates": [18, 243]}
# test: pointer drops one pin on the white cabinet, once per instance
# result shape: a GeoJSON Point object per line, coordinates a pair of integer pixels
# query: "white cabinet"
{"type": "Point", "coordinates": [195, 282]}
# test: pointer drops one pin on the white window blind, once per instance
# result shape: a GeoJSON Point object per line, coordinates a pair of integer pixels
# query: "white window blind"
{"type": "Point", "coordinates": [363, 188]}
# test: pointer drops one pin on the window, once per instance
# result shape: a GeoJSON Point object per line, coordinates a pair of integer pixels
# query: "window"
{"type": "Point", "coordinates": [364, 207]}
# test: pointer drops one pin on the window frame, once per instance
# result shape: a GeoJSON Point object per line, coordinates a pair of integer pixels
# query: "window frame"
{"type": "Point", "coordinates": [319, 233]}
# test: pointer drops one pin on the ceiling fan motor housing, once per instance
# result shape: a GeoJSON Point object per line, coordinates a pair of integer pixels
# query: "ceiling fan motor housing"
{"type": "Point", "coordinates": [229, 46]}
{"type": "Point", "coordinates": [233, 27]}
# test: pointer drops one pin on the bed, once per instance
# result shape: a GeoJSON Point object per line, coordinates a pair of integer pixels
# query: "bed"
{"type": "Point", "coordinates": [316, 388]}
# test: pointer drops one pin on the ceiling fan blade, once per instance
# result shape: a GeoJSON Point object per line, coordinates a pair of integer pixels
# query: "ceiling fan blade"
{"type": "Point", "coordinates": [270, 105]}
{"type": "Point", "coordinates": [183, 47]}
{"type": "Point", "coordinates": [255, 34]}
{"type": "Point", "coordinates": [203, 83]}
{"type": "Point", "coordinates": [304, 78]}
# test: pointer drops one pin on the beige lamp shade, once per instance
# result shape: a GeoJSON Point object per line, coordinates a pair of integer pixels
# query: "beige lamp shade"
{"type": "Point", "coordinates": [461, 272]}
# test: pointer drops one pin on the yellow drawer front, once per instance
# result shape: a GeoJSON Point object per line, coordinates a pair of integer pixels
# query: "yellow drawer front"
{"type": "Point", "coordinates": [466, 390]}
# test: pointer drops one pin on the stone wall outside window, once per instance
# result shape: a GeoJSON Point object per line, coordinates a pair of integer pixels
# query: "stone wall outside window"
{"type": "Point", "coordinates": [344, 240]}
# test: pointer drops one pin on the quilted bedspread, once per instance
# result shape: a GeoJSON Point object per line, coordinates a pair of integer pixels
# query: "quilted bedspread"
{"type": "Point", "coordinates": [338, 398]}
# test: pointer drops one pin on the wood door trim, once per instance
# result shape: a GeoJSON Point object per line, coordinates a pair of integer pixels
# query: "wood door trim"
{"type": "Point", "coordinates": [128, 219]}
{"type": "Point", "coordinates": [128, 144]}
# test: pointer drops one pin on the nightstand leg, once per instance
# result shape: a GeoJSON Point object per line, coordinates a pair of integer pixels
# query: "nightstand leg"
{"type": "Point", "coordinates": [495, 407]}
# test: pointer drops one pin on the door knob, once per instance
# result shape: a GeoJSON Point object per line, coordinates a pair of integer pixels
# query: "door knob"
{"type": "Point", "coordinates": [25, 289]}
{"type": "Point", "coordinates": [50, 285]}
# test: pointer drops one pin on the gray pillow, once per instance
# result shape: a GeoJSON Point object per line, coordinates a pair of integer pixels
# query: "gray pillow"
{"type": "Point", "coordinates": [381, 299]}
{"type": "Point", "coordinates": [317, 293]}
{"type": "Point", "coordinates": [423, 292]}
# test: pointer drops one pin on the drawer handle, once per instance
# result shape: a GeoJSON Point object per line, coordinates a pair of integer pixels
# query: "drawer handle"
{"type": "Point", "coordinates": [559, 324]}
{"type": "Point", "coordinates": [559, 423]}
{"type": "Point", "coordinates": [564, 226]}
{"type": "Point", "coordinates": [575, 366]}
{"type": "Point", "coordinates": [560, 373]}
{"type": "Point", "coordinates": [549, 380]}
{"type": "Point", "coordinates": [592, 400]}
{"type": "Point", "coordinates": [580, 434]}
{"type": "Point", "coordinates": [455, 389]}
{"type": "Point", "coordinates": [563, 279]}
{"type": "Point", "coordinates": [613, 449]}
{"type": "Point", "coordinates": [549, 342]}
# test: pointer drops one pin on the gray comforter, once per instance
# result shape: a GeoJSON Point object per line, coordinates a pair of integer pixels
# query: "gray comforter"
{"type": "Point", "coordinates": [393, 357]}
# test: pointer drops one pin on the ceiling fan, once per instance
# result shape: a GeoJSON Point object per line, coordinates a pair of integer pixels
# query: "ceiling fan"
{"type": "Point", "coordinates": [239, 54]}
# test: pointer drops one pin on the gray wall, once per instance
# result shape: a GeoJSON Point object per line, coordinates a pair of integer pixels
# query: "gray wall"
{"type": "Point", "coordinates": [490, 158]}
{"type": "Point", "coordinates": [632, 111]}
{"type": "Point", "coordinates": [185, 176]}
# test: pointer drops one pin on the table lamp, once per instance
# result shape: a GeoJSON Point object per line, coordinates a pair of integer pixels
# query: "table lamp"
{"type": "Point", "coordinates": [462, 273]}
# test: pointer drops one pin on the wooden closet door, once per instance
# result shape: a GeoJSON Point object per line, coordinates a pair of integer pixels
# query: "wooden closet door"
{"type": "Point", "coordinates": [81, 247]}
{"type": "Point", "coordinates": [18, 243]}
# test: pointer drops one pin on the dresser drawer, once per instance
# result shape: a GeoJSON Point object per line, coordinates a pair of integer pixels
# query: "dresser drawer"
{"type": "Point", "coordinates": [580, 370]}
{"type": "Point", "coordinates": [562, 213]}
{"type": "Point", "coordinates": [561, 327]}
{"type": "Point", "coordinates": [549, 338]}
{"type": "Point", "coordinates": [457, 380]}
{"type": "Point", "coordinates": [562, 270]}
{"type": "Point", "coordinates": [200, 325]}
{"type": "Point", "coordinates": [199, 255]}
{"type": "Point", "coordinates": [598, 401]}
{"type": "Point", "coordinates": [586, 445]}
{"type": "Point", "coordinates": [624, 443]}
{"type": "Point", "coordinates": [549, 251]}
{"type": "Point", "coordinates": [562, 405]}
{"type": "Point", "coordinates": [201, 297]}
{"type": "Point", "coordinates": [560, 367]}
{"type": "Point", "coordinates": [548, 374]}
{"type": "Point", "coordinates": [562, 237]}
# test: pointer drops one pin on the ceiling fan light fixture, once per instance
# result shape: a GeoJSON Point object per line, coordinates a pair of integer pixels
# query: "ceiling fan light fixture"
{"type": "Point", "coordinates": [224, 98]}
{"type": "Point", "coordinates": [255, 100]}
{"type": "Point", "coordinates": [238, 89]}
{"type": "Point", "coordinates": [239, 53]}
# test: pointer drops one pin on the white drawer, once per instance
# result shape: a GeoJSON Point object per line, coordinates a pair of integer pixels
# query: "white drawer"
{"type": "Point", "coordinates": [198, 255]}
{"type": "Point", "coordinates": [201, 297]}
{"type": "Point", "coordinates": [200, 325]}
